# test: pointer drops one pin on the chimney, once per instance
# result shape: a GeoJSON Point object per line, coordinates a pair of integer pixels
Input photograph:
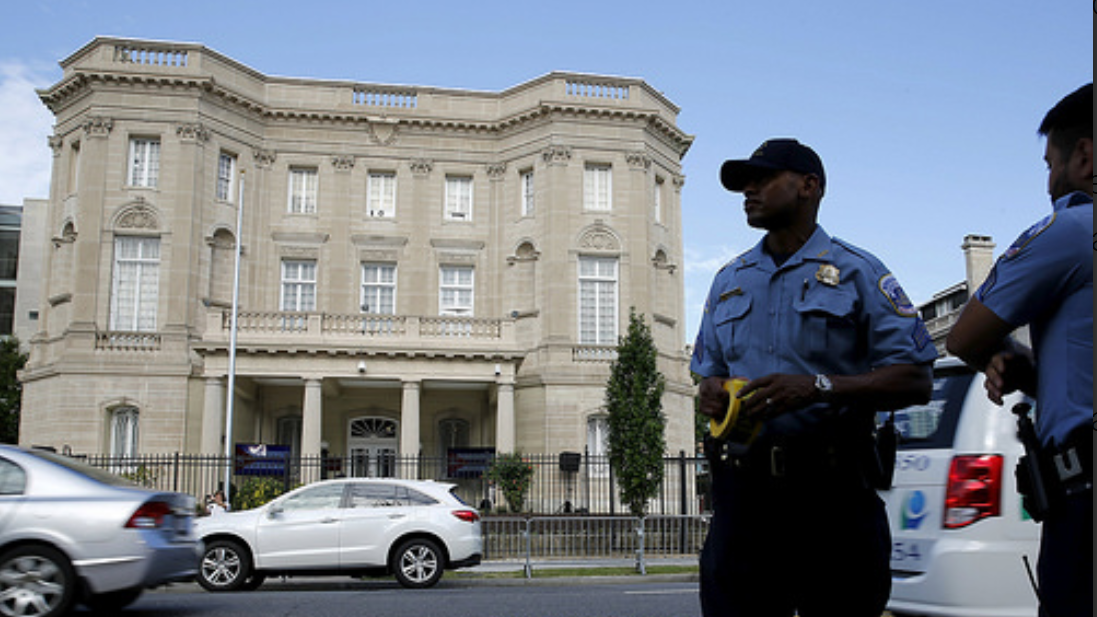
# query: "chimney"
{"type": "Point", "coordinates": [978, 259]}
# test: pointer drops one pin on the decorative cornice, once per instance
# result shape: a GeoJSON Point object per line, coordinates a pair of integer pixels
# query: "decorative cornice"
{"type": "Point", "coordinates": [678, 182]}
{"type": "Point", "coordinates": [421, 167]}
{"type": "Point", "coordinates": [193, 131]}
{"type": "Point", "coordinates": [556, 155]}
{"type": "Point", "coordinates": [496, 171]}
{"type": "Point", "coordinates": [264, 158]}
{"type": "Point", "coordinates": [56, 142]}
{"type": "Point", "coordinates": [98, 126]}
{"type": "Point", "coordinates": [342, 162]}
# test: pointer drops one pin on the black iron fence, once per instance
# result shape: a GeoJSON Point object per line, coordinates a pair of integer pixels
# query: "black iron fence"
{"type": "Point", "coordinates": [572, 483]}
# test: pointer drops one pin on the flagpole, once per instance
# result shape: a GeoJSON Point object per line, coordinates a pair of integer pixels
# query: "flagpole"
{"type": "Point", "coordinates": [232, 341]}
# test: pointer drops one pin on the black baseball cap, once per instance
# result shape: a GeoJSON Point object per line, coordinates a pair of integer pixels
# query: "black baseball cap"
{"type": "Point", "coordinates": [772, 155]}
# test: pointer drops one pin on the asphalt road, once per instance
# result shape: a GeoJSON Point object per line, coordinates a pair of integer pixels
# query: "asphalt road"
{"type": "Point", "coordinates": [510, 598]}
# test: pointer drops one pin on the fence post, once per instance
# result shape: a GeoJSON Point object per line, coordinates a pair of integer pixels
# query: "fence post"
{"type": "Point", "coordinates": [175, 473]}
{"type": "Point", "coordinates": [529, 549]}
{"type": "Point", "coordinates": [640, 565]}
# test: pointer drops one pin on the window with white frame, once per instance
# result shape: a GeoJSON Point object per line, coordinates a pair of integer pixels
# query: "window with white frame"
{"type": "Point", "coordinates": [226, 171]}
{"type": "Point", "coordinates": [597, 300]}
{"type": "Point", "coordinates": [124, 431]}
{"type": "Point", "coordinates": [657, 200]}
{"type": "Point", "coordinates": [455, 293]}
{"type": "Point", "coordinates": [303, 183]}
{"type": "Point", "coordinates": [527, 193]}
{"type": "Point", "coordinates": [597, 187]}
{"type": "Point", "coordinates": [381, 194]}
{"type": "Point", "coordinates": [598, 444]}
{"type": "Point", "coordinates": [135, 285]}
{"type": "Point", "coordinates": [298, 285]}
{"type": "Point", "coordinates": [458, 198]}
{"type": "Point", "coordinates": [379, 288]}
{"type": "Point", "coordinates": [144, 162]}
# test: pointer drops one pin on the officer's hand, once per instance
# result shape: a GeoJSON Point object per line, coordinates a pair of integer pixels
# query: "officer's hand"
{"type": "Point", "coordinates": [1009, 371]}
{"type": "Point", "coordinates": [714, 398]}
{"type": "Point", "coordinates": [776, 394]}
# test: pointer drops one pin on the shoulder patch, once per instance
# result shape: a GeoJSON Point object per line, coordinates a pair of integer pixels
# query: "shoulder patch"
{"type": "Point", "coordinates": [1022, 241]}
{"type": "Point", "coordinates": [891, 289]}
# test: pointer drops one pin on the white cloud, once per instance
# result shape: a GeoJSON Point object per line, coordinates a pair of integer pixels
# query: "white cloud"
{"type": "Point", "coordinates": [25, 126]}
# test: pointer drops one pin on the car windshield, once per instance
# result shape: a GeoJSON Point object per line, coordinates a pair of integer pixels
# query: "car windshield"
{"type": "Point", "coordinates": [94, 473]}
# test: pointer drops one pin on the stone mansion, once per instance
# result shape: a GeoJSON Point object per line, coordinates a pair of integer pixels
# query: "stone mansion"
{"type": "Point", "coordinates": [420, 269]}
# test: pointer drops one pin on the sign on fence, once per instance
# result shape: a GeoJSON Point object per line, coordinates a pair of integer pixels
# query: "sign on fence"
{"type": "Point", "coordinates": [257, 459]}
{"type": "Point", "coordinates": [468, 462]}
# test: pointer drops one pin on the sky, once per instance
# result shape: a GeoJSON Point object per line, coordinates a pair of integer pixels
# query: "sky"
{"type": "Point", "coordinates": [924, 112]}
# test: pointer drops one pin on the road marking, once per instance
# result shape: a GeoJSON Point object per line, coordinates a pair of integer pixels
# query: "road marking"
{"type": "Point", "coordinates": [664, 592]}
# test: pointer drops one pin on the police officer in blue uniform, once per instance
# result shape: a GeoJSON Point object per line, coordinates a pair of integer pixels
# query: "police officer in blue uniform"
{"type": "Point", "coordinates": [1045, 280]}
{"type": "Point", "coordinates": [826, 337]}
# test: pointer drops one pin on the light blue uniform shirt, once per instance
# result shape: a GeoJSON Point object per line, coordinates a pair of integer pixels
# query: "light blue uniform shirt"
{"type": "Point", "coordinates": [1045, 279]}
{"type": "Point", "coordinates": [831, 308]}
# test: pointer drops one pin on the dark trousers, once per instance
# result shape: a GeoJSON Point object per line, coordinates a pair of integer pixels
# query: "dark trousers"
{"type": "Point", "coordinates": [1065, 569]}
{"type": "Point", "coordinates": [819, 546]}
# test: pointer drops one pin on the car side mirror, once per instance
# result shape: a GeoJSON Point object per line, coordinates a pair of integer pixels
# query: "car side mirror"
{"type": "Point", "coordinates": [274, 511]}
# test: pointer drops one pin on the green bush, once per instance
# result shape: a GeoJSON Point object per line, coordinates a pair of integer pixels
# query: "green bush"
{"type": "Point", "coordinates": [513, 476]}
{"type": "Point", "coordinates": [254, 491]}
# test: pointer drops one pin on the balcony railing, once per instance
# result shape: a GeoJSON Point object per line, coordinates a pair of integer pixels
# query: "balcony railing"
{"type": "Point", "coordinates": [354, 330]}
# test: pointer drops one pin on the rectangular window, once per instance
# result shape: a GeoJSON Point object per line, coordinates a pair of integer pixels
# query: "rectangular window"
{"type": "Point", "coordinates": [458, 198]}
{"type": "Point", "coordinates": [379, 289]}
{"type": "Point", "coordinates": [456, 291]}
{"type": "Point", "coordinates": [144, 162]}
{"type": "Point", "coordinates": [657, 200]}
{"type": "Point", "coordinates": [226, 171]}
{"type": "Point", "coordinates": [597, 187]}
{"type": "Point", "coordinates": [298, 285]}
{"type": "Point", "coordinates": [303, 183]}
{"type": "Point", "coordinates": [74, 167]}
{"type": "Point", "coordinates": [597, 300]}
{"type": "Point", "coordinates": [527, 193]}
{"type": "Point", "coordinates": [381, 195]}
{"type": "Point", "coordinates": [136, 284]}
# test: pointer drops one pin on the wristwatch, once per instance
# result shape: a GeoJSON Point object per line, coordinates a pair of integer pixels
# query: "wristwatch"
{"type": "Point", "coordinates": [824, 386]}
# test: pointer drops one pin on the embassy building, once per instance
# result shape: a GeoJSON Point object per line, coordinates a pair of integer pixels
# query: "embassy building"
{"type": "Point", "coordinates": [420, 269]}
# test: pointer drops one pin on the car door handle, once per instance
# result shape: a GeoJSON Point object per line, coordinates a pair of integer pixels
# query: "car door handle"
{"type": "Point", "coordinates": [396, 516]}
{"type": "Point", "coordinates": [325, 521]}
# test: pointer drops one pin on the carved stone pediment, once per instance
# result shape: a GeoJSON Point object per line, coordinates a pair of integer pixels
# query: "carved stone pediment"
{"type": "Point", "coordinates": [98, 126]}
{"type": "Point", "coordinates": [382, 133]}
{"type": "Point", "coordinates": [556, 155]}
{"type": "Point", "coordinates": [194, 131]}
{"type": "Point", "coordinates": [421, 167]}
{"type": "Point", "coordinates": [599, 238]}
{"type": "Point", "coordinates": [138, 215]}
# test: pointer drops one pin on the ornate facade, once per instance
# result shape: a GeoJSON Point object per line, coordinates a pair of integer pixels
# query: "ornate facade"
{"type": "Point", "coordinates": [421, 269]}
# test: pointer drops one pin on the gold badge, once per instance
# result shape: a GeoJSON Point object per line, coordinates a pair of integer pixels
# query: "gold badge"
{"type": "Point", "coordinates": [827, 275]}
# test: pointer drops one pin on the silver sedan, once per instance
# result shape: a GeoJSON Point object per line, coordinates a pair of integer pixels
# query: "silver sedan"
{"type": "Point", "coordinates": [69, 532]}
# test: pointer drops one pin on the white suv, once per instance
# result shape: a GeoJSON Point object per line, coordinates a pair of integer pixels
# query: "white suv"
{"type": "Point", "coordinates": [351, 527]}
{"type": "Point", "coordinates": [959, 531]}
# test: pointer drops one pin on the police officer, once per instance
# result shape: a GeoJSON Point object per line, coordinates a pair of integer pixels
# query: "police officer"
{"type": "Point", "coordinates": [826, 337]}
{"type": "Point", "coordinates": [1045, 280]}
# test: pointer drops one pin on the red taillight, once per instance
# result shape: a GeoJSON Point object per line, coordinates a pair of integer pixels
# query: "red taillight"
{"type": "Point", "coordinates": [974, 490]}
{"type": "Point", "coordinates": [469, 516]}
{"type": "Point", "coordinates": [149, 516]}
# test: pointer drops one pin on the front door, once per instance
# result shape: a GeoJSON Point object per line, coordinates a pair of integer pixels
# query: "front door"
{"type": "Point", "coordinates": [372, 444]}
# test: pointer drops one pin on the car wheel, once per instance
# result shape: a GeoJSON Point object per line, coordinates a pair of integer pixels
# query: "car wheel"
{"type": "Point", "coordinates": [226, 566]}
{"type": "Point", "coordinates": [36, 581]}
{"type": "Point", "coordinates": [418, 564]}
{"type": "Point", "coordinates": [113, 601]}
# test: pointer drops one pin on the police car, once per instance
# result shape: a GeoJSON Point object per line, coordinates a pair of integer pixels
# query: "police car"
{"type": "Point", "coordinates": [959, 532]}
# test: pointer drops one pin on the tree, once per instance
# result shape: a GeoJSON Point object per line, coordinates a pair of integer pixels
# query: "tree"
{"type": "Point", "coordinates": [11, 391]}
{"type": "Point", "coordinates": [634, 401]}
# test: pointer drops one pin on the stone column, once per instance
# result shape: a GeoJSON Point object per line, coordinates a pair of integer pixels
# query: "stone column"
{"type": "Point", "coordinates": [311, 423]}
{"type": "Point", "coordinates": [504, 418]}
{"type": "Point", "coordinates": [409, 429]}
{"type": "Point", "coordinates": [213, 417]}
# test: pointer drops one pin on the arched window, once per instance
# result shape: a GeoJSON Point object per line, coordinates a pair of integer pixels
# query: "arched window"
{"type": "Point", "coordinates": [453, 433]}
{"type": "Point", "coordinates": [124, 431]}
